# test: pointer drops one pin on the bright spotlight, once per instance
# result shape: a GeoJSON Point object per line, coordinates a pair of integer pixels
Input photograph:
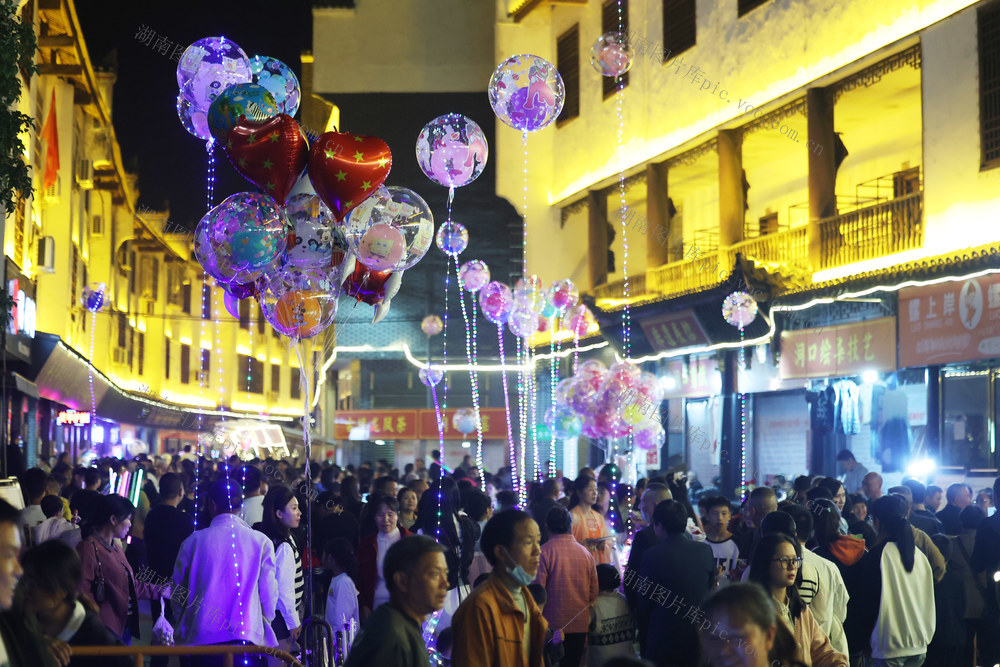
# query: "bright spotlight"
{"type": "Point", "coordinates": [668, 383]}
{"type": "Point", "coordinates": [466, 444]}
{"type": "Point", "coordinates": [921, 468]}
{"type": "Point", "coordinates": [869, 377]}
{"type": "Point", "coordinates": [380, 442]}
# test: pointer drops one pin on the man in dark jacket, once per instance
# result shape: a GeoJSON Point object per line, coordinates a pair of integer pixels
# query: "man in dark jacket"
{"type": "Point", "coordinates": [986, 557]}
{"type": "Point", "coordinates": [676, 576]}
{"type": "Point", "coordinates": [920, 516]}
{"type": "Point", "coordinates": [959, 497]}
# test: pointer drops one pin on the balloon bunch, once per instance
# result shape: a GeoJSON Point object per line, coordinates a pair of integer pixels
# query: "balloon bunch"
{"type": "Point", "coordinates": [302, 240]}
{"type": "Point", "coordinates": [603, 402]}
{"type": "Point", "coordinates": [527, 308]}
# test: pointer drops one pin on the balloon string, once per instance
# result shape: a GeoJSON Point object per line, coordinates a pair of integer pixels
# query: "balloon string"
{"type": "Point", "coordinates": [451, 199]}
{"type": "Point", "coordinates": [553, 380]}
{"type": "Point", "coordinates": [440, 427]}
{"type": "Point", "coordinates": [473, 373]}
{"type": "Point", "coordinates": [506, 405]}
{"type": "Point", "coordinates": [444, 338]}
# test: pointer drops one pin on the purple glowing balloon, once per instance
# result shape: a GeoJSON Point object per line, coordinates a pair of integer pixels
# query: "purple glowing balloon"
{"type": "Point", "coordinates": [451, 150]}
{"type": "Point", "coordinates": [526, 92]}
{"type": "Point", "coordinates": [496, 299]}
{"type": "Point", "coordinates": [474, 274]}
{"type": "Point", "coordinates": [208, 67]}
{"type": "Point", "coordinates": [232, 303]}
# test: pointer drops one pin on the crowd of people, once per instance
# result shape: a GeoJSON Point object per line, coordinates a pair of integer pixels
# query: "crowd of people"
{"type": "Point", "coordinates": [585, 571]}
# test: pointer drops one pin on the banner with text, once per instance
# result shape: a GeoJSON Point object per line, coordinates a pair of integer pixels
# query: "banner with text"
{"type": "Point", "coordinates": [413, 425]}
{"type": "Point", "coordinates": [839, 351]}
{"type": "Point", "coordinates": [950, 322]}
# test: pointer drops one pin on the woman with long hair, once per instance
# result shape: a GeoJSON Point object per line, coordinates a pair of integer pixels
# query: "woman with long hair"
{"type": "Point", "coordinates": [372, 589]}
{"type": "Point", "coordinates": [350, 495]}
{"type": "Point", "coordinates": [107, 575]}
{"type": "Point", "coordinates": [745, 630]}
{"type": "Point", "coordinates": [589, 527]}
{"type": "Point", "coordinates": [898, 589]}
{"type": "Point", "coordinates": [776, 565]}
{"type": "Point", "coordinates": [281, 516]}
{"type": "Point", "coordinates": [51, 595]}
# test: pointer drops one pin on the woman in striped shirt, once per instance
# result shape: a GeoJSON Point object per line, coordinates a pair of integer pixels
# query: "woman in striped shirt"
{"type": "Point", "coordinates": [281, 515]}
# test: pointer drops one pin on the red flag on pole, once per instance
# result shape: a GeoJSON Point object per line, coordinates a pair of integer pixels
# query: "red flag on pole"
{"type": "Point", "coordinates": [50, 136]}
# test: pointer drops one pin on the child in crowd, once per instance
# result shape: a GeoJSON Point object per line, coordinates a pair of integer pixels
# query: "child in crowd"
{"type": "Point", "coordinates": [716, 513]}
{"type": "Point", "coordinates": [612, 628]}
{"type": "Point", "coordinates": [342, 598]}
{"type": "Point", "coordinates": [55, 525]}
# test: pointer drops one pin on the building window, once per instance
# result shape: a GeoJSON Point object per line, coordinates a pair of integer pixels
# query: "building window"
{"type": "Point", "coordinates": [275, 378]}
{"type": "Point", "coordinates": [72, 284]}
{"type": "Point", "coordinates": [610, 23]}
{"type": "Point", "coordinates": [186, 298]}
{"type": "Point", "coordinates": [122, 329]}
{"type": "Point", "coordinates": [142, 352]}
{"type": "Point", "coordinates": [206, 301]}
{"type": "Point", "coordinates": [166, 361]}
{"type": "Point", "coordinates": [679, 27]}
{"type": "Point", "coordinates": [251, 374]}
{"type": "Point", "coordinates": [245, 314]}
{"type": "Point", "coordinates": [988, 25]}
{"type": "Point", "coordinates": [206, 362]}
{"type": "Point", "coordinates": [568, 64]}
{"type": "Point", "coordinates": [131, 346]}
{"type": "Point", "coordinates": [261, 322]}
{"type": "Point", "coordinates": [295, 385]}
{"type": "Point", "coordinates": [185, 364]}
{"type": "Point", "coordinates": [744, 6]}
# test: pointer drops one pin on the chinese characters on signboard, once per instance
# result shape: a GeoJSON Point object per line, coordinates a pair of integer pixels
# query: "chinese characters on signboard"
{"type": "Point", "coordinates": [412, 425]}
{"type": "Point", "coordinates": [950, 322]}
{"type": "Point", "coordinates": [838, 351]}
{"type": "Point", "coordinates": [673, 331]}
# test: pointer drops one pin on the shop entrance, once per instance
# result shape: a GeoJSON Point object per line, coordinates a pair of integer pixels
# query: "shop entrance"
{"type": "Point", "coordinates": [970, 405]}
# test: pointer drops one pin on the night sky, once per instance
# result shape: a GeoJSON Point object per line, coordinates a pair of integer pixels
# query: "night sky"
{"type": "Point", "coordinates": [170, 162]}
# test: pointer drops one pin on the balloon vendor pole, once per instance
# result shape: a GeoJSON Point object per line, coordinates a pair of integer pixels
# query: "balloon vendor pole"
{"type": "Point", "coordinates": [506, 405]}
{"type": "Point", "coordinates": [471, 357]}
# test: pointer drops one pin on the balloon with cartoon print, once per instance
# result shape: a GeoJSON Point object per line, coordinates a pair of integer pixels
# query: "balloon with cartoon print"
{"type": "Point", "coordinates": [208, 67]}
{"type": "Point", "coordinates": [452, 150]}
{"type": "Point", "coordinates": [526, 92]}
{"type": "Point", "coordinates": [391, 230]}
{"type": "Point", "coordinates": [280, 81]}
{"type": "Point", "coordinates": [311, 231]}
{"type": "Point", "coordinates": [241, 238]}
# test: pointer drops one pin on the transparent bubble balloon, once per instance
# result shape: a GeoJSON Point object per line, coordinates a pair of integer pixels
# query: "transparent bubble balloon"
{"type": "Point", "coordinates": [280, 81]}
{"type": "Point", "coordinates": [649, 435]}
{"type": "Point", "coordinates": [432, 325]}
{"type": "Point", "coordinates": [451, 150]}
{"type": "Point", "coordinates": [739, 309]}
{"type": "Point", "coordinates": [299, 302]}
{"type": "Point", "coordinates": [208, 67]}
{"type": "Point", "coordinates": [474, 275]}
{"type": "Point", "coordinates": [311, 233]}
{"type": "Point", "coordinates": [496, 299]}
{"type": "Point", "coordinates": [611, 54]}
{"type": "Point", "coordinates": [391, 230]}
{"type": "Point", "coordinates": [526, 92]}
{"type": "Point", "coordinates": [452, 238]}
{"type": "Point", "coordinates": [579, 318]}
{"type": "Point", "coordinates": [522, 323]}
{"type": "Point", "coordinates": [529, 294]}
{"type": "Point", "coordinates": [194, 120]}
{"type": "Point", "coordinates": [464, 420]}
{"type": "Point", "coordinates": [241, 238]}
{"type": "Point", "coordinates": [431, 376]}
{"type": "Point", "coordinates": [563, 295]}
{"type": "Point", "coordinates": [563, 422]}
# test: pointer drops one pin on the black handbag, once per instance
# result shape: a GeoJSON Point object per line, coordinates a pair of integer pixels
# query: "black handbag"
{"type": "Point", "coordinates": [97, 588]}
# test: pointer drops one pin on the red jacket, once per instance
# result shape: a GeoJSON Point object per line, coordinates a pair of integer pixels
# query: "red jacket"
{"type": "Point", "coordinates": [368, 568]}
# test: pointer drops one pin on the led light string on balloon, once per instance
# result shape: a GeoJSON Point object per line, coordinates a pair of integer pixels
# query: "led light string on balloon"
{"type": "Point", "coordinates": [506, 405]}
{"type": "Point", "coordinates": [471, 358]}
{"type": "Point", "coordinates": [553, 381]}
{"type": "Point", "coordinates": [739, 310]}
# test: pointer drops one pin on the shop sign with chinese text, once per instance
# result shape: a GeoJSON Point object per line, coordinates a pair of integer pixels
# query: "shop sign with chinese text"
{"type": "Point", "coordinates": [950, 322]}
{"type": "Point", "coordinates": [413, 425]}
{"type": "Point", "coordinates": [673, 331]}
{"type": "Point", "coordinates": [839, 351]}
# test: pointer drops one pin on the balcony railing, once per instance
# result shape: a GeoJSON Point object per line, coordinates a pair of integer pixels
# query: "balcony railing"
{"type": "Point", "coordinates": [870, 232]}
{"type": "Point", "coordinates": [874, 231]}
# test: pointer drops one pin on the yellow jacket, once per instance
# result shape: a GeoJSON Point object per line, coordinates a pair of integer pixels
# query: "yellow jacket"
{"type": "Point", "coordinates": [489, 629]}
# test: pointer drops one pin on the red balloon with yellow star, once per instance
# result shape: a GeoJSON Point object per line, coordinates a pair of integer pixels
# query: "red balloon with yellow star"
{"type": "Point", "coordinates": [345, 169]}
{"type": "Point", "coordinates": [270, 154]}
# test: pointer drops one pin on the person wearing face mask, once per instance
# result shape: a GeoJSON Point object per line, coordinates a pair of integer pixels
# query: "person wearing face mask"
{"type": "Point", "coordinates": [107, 575]}
{"type": "Point", "coordinates": [499, 624]}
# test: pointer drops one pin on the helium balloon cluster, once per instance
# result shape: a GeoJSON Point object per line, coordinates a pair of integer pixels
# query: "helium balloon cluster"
{"type": "Point", "coordinates": [320, 224]}
{"type": "Point", "coordinates": [608, 402]}
{"type": "Point", "coordinates": [527, 308]}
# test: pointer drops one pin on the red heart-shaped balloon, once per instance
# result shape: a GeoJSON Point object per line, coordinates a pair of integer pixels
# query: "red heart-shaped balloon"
{"type": "Point", "coordinates": [346, 169]}
{"type": "Point", "coordinates": [271, 154]}
{"type": "Point", "coordinates": [366, 285]}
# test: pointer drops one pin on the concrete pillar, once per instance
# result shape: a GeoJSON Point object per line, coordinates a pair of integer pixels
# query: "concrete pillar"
{"type": "Point", "coordinates": [597, 237]}
{"type": "Point", "coordinates": [822, 172]}
{"type": "Point", "coordinates": [731, 209]}
{"type": "Point", "coordinates": [660, 234]}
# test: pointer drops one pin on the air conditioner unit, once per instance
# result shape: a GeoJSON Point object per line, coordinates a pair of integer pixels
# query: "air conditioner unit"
{"type": "Point", "coordinates": [119, 355]}
{"type": "Point", "coordinates": [97, 226]}
{"type": "Point", "coordinates": [47, 254]}
{"type": "Point", "coordinates": [51, 193]}
{"type": "Point", "coordinates": [85, 174]}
